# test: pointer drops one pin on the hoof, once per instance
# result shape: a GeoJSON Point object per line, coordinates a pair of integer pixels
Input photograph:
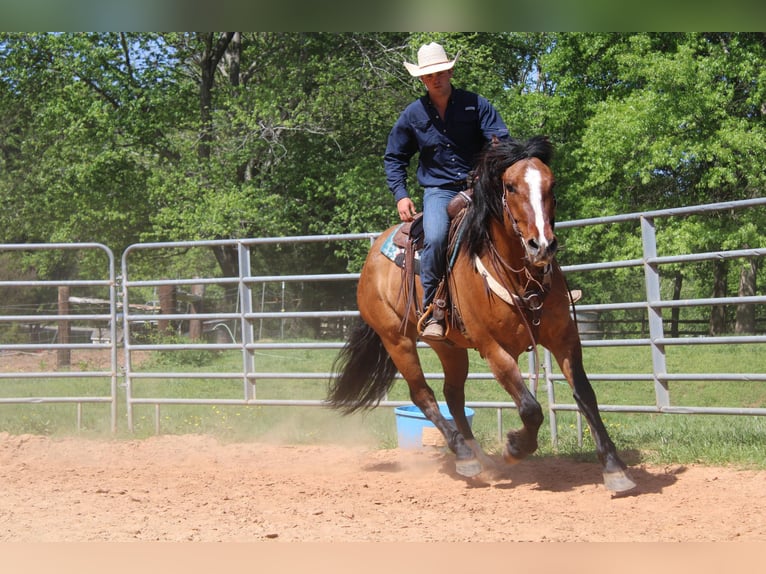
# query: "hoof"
{"type": "Point", "coordinates": [486, 462]}
{"type": "Point", "coordinates": [468, 468]}
{"type": "Point", "coordinates": [509, 457]}
{"type": "Point", "coordinates": [618, 481]}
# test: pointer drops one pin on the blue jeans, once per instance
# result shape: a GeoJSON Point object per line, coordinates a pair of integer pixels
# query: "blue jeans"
{"type": "Point", "coordinates": [433, 256]}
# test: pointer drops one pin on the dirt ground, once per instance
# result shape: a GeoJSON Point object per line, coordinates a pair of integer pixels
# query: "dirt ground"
{"type": "Point", "coordinates": [193, 488]}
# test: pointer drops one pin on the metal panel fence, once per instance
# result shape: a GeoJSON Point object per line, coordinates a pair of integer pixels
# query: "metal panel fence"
{"type": "Point", "coordinates": [238, 322]}
{"type": "Point", "coordinates": [246, 317]}
{"type": "Point", "coordinates": [46, 330]}
{"type": "Point", "coordinates": [658, 339]}
{"type": "Point", "coordinates": [258, 313]}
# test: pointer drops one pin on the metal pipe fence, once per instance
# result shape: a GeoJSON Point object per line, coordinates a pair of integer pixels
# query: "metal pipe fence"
{"type": "Point", "coordinates": [651, 262]}
{"type": "Point", "coordinates": [265, 311]}
{"type": "Point", "coordinates": [657, 339]}
{"type": "Point", "coordinates": [27, 384]}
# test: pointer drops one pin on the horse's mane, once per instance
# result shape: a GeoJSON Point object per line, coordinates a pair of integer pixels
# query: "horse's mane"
{"type": "Point", "coordinates": [496, 157]}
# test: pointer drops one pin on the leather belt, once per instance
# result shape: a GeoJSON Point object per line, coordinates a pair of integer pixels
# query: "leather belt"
{"type": "Point", "coordinates": [455, 186]}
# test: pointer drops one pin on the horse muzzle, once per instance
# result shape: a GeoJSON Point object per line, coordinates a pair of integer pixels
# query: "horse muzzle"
{"type": "Point", "coordinates": [541, 253]}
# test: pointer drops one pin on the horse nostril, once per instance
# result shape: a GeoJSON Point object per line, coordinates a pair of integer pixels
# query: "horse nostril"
{"type": "Point", "coordinates": [554, 246]}
{"type": "Point", "coordinates": [533, 245]}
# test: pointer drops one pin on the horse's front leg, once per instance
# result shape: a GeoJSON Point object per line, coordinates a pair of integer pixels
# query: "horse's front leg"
{"type": "Point", "coordinates": [616, 477]}
{"type": "Point", "coordinates": [521, 442]}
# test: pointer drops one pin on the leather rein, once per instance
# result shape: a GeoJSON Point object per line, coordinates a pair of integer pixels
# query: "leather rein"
{"type": "Point", "coordinates": [522, 288]}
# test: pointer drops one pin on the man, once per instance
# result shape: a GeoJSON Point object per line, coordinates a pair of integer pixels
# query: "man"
{"type": "Point", "coordinates": [447, 127]}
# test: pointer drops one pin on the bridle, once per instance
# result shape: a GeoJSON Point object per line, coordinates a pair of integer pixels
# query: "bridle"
{"type": "Point", "coordinates": [528, 286]}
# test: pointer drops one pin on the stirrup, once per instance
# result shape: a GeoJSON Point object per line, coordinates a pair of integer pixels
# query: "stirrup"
{"type": "Point", "coordinates": [427, 318]}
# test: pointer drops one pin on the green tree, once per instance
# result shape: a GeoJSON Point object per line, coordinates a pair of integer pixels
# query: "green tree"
{"type": "Point", "coordinates": [84, 121]}
{"type": "Point", "coordinates": [679, 123]}
{"type": "Point", "coordinates": [119, 138]}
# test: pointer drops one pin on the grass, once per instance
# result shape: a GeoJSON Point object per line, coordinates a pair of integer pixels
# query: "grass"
{"type": "Point", "coordinates": [642, 438]}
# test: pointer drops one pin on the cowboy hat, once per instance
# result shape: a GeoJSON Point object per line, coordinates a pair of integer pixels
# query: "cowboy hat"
{"type": "Point", "coordinates": [431, 59]}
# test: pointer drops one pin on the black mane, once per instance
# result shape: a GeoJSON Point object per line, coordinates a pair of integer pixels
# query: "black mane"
{"type": "Point", "coordinates": [496, 157]}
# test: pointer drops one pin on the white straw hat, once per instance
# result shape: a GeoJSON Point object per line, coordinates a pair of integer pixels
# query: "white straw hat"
{"type": "Point", "coordinates": [431, 59]}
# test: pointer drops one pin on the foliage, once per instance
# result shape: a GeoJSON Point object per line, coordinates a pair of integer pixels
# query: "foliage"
{"type": "Point", "coordinates": [125, 137]}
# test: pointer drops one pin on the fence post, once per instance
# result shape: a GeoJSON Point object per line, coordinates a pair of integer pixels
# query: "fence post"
{"type": "Point", "coordinates": [246, 299]}
{"type": "Point", "coordinates": [63, 356]}
{"type": "Point", "coordinates": [653, 296]}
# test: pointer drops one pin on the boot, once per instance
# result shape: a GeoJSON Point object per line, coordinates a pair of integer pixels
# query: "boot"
{"type": "Point", "coordinates": [574, 296]}
{"type": "Point", "coordinates": [434, 329]}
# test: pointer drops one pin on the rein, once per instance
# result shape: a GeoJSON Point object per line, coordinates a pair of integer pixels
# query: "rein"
{"type": "Point", "coordinates": [525, 292]}
{"type": "Point", "coordinates": [518, 287]}
{"type": "Point", "coordinates": [529, 292]}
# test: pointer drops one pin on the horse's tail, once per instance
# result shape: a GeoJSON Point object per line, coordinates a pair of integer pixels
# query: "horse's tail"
{"type": "Point", "coordinates": [365, 372]}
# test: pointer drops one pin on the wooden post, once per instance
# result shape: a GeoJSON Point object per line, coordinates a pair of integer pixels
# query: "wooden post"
{"type": "Point", "coordinates": [196, 306]}
{"type": "Point", "coordinates": [63, 356]}
{"type": "Point", "coordinates": [167, 294]}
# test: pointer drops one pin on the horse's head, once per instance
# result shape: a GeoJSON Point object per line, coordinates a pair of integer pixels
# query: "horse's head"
{"type": "Point", "coordinates": [529, 208]}
{"type": "Point", "coordinates": [514, 188]}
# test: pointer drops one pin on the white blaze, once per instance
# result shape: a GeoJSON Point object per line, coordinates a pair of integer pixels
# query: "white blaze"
{"type": "Point", "coordinates": [534, 181]}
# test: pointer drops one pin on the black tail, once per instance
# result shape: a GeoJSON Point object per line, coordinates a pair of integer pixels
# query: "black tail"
{"type": "Point", "coordinates": [365, 372]}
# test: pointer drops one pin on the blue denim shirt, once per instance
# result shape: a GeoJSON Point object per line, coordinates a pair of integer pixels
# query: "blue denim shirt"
{"type": "Point", "coordinates": [448, 149]}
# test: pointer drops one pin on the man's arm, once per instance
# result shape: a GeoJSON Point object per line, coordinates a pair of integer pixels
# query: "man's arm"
{"type": "Point", "coordinates": [490, 121]}
{"type": "Point", "coordinates": [400, 149]}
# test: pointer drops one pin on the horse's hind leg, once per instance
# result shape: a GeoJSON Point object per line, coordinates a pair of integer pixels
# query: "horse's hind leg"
{"type": "Point", "coordinates": [455, 365]}
{"type": "Point", "coordinates": [403, 351]}
{"type": "Point", "coordinates": [466, 462]}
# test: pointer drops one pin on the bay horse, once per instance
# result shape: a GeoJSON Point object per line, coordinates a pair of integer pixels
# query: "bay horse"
{"type": "Point", "coordinates": [507, 295]}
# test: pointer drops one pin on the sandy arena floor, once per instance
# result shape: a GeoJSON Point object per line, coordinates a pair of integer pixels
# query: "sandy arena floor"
{"type": "Point", "coordinates": [193, 488]}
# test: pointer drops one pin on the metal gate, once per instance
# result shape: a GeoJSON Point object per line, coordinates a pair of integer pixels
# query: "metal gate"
{"type": "Point", "coordinates": [246, 317]}
{"type": "Point", "coordinates": [238, 322]}
{"type": "Point", "coordinates": [658, 339]}
{"type": "Point", "coordinates": [252, 304]}
{"type": "Point", "coordinates": [56, 330]}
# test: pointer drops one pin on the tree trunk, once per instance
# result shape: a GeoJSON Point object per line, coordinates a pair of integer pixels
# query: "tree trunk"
{"type": "Point", "coordinates": [196, 306]}
{"type": "Point", "coordinates": [63, 356]}
{"type": "Point", "coordinates": [718, 312]}
{"type": "Point", "coordinates": [209, 61]}
{"type": "Point", "coordinates": [746, 312]}
{"type": "Point", "coordinates": [167, 295]}
{"type": "Point", "coordinates": [678, 281]}
{"type": "Point", "coordinates": [211, 58]}
{"type": "Point", "coordinates": [234, 58]}
{"type": "Point", "coordinates": [228, 261]}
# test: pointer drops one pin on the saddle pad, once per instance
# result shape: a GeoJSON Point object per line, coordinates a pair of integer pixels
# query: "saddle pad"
{"type": "Point", "coordinates": [395, 253]}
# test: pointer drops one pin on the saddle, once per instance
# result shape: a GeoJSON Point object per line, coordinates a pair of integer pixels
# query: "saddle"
{"type": "Point", "coordinates": [409, 237]}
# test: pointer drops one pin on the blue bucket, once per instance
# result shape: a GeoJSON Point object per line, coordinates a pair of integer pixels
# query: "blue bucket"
{"type": "Point", "coordinates": [412, 426]}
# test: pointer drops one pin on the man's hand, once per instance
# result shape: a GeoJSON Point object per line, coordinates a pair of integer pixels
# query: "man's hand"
{"type": "Point", "coordinates": [406, 209]}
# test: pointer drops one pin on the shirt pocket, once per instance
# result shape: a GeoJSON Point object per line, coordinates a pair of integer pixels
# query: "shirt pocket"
{"type": "Point", "coordinates": [426, 134]}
